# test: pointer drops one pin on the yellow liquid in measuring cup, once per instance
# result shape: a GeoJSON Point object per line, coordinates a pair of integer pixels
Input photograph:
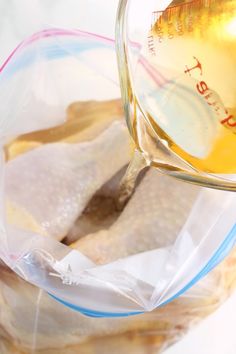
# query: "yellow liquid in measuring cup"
{"type": "Point", "coordinates": [185, 82]}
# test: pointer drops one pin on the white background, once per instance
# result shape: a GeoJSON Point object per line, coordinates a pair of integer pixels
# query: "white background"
{"type": "Point", "coordinates": [19, 19]}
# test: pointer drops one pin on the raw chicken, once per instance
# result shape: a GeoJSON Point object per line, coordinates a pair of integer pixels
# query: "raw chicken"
{"type": "Point", "coordinates": [151, 219]}
{"type": "Point", "coordinates": [101, 211]}
{"type": "Point", "coordinates": [85, 121]}
{"type": "Point", "coordinates": [54, 182]}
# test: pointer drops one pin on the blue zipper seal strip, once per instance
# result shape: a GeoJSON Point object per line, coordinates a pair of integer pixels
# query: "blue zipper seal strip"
{"type": "Point", "coordinates": [218, 256]}
{"type": "Point", "coordinates": [92, 313]}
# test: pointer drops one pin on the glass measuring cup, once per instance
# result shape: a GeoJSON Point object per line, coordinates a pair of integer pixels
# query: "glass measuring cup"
{"type": "Point", "coordinates": [177, 68]}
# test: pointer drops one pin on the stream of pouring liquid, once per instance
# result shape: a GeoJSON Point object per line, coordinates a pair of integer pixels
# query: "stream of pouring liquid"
{"type": "Point", "coordinates": [183, 92]}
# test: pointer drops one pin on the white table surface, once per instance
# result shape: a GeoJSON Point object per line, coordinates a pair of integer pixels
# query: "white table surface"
{"type": "Point", "coordinates": [18, 19]}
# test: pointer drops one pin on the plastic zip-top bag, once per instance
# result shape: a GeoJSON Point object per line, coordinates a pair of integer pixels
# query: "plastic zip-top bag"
{"type": "Point", "coordinates": [32, 322]}
{"type": "Point", "coordinates": [65, 147]}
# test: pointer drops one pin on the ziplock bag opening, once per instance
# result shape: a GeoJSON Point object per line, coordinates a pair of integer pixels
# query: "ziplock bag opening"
{"type": "Point", "coordinates": [66, 146]}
